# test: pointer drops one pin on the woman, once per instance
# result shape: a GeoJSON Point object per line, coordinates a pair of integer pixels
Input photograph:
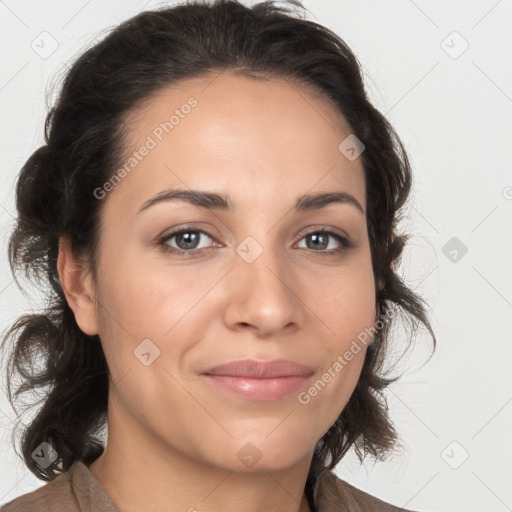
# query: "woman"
{"type": "Point", "coordinates": [215, 209]}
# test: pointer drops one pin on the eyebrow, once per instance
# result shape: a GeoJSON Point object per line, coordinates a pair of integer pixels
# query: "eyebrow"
{"type": "Point", "coordinates": [214, 201]}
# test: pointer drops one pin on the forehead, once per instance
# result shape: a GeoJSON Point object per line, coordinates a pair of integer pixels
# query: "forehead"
{"type": "Point", "coordinates": [259, 138]}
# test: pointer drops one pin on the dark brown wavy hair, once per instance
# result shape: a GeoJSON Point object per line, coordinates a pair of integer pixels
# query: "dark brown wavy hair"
{"type": "Point", "coordinates": [84, 135]}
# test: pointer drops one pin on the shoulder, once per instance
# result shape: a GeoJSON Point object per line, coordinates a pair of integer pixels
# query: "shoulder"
{"type": "Point", "coordinates": [72, 491]}
{"type": "Point", "coordinates": [332, 494]}
{"type": "Point", "coordinates": [55, 495]}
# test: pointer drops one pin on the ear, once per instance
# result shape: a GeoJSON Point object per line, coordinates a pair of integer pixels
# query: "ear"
{"type": "Point", "coordinates": [78, 287]}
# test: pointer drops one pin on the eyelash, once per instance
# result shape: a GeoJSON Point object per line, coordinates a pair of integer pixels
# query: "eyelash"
{"type": "Point", "coordinates": [345, 243]}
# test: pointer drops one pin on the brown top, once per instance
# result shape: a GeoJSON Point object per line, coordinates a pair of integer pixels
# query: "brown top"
{"type": "Point", "coordinates": [77, 490]}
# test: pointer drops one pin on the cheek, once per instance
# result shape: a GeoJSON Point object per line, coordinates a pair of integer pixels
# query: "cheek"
{"type": "Point", "coordinates": [347, 308]}
{"type": "Point", "coordinates": [345, 302]}
{"type": "Point", "coordinates": [147, 301]}
{"type": "Point", "coordinates": [327, 396]}
{"type": "Point", "coordinates": [149, 309]}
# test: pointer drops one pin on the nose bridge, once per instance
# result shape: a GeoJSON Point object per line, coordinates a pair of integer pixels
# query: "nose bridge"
{"type": "Point", "coordinates": [263, 266]}
{"type": "Point", "coordinates": [264, 287]}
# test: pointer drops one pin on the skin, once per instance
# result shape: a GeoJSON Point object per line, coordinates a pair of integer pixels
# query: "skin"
{"type": "Point", "coordinates": [174, 438]}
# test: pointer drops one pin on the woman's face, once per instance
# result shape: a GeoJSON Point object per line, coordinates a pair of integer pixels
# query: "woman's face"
{"type": "Point", "coordinates": [257, 280]}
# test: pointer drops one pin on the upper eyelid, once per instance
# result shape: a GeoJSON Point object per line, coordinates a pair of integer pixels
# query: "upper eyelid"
{"type": "Point", "coordinates": [172, 234]}
{"type": "Point", "coordinates": [185, 227]}
{"type": "Point", "coordinates": [329, 230]}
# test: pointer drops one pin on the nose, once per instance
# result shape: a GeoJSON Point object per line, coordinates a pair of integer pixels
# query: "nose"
{"type": "Point", "coordinates": [264, 295]}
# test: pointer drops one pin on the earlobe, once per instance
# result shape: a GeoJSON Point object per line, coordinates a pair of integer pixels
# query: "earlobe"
{"type": "Point", "coordinates": [77, 285]}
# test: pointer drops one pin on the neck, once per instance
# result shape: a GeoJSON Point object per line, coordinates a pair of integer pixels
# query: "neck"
{"type": "Point", "coordinates": [130, 483]}
{"type": "Point", "coordinates": [139, 474]}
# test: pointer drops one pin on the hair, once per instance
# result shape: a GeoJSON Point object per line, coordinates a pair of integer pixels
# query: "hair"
{"type": "Point", "coordinates": [84, 141]}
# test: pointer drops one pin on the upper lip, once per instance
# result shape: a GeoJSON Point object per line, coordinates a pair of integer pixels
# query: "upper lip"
{"type": "Point", "coordinates": [261, 369]}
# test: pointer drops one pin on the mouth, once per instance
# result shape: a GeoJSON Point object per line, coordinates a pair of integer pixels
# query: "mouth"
{"type": "Point", "coordinates": [260, 380]}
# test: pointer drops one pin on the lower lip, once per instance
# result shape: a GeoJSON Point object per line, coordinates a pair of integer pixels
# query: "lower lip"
{"type": "Point", "coordinates": [260, 389]}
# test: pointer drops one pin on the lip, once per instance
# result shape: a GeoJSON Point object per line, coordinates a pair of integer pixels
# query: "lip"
{"type": "Point", "coordinates": [261, 369]}
{"type": "Point", "coordinates": [260, 380]}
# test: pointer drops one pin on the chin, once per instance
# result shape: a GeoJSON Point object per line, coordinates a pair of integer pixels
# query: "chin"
{"type": "Point", "coordinates": [255, 455]}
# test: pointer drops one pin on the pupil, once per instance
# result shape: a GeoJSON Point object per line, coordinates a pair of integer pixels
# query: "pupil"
{"type": "Point", "coordinates": [190, 239]}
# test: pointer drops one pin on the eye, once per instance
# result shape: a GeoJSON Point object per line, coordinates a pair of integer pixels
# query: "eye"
{"type": "Point", "coordinates": [189, 241]}
{"type": "Point", "coordinates": [186, 240]}
{"type": "Point", "coordinates": [326, 242]}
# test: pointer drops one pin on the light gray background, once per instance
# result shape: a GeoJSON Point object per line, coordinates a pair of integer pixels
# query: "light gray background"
{"type": "Point", "coordinates": [453, 112]}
